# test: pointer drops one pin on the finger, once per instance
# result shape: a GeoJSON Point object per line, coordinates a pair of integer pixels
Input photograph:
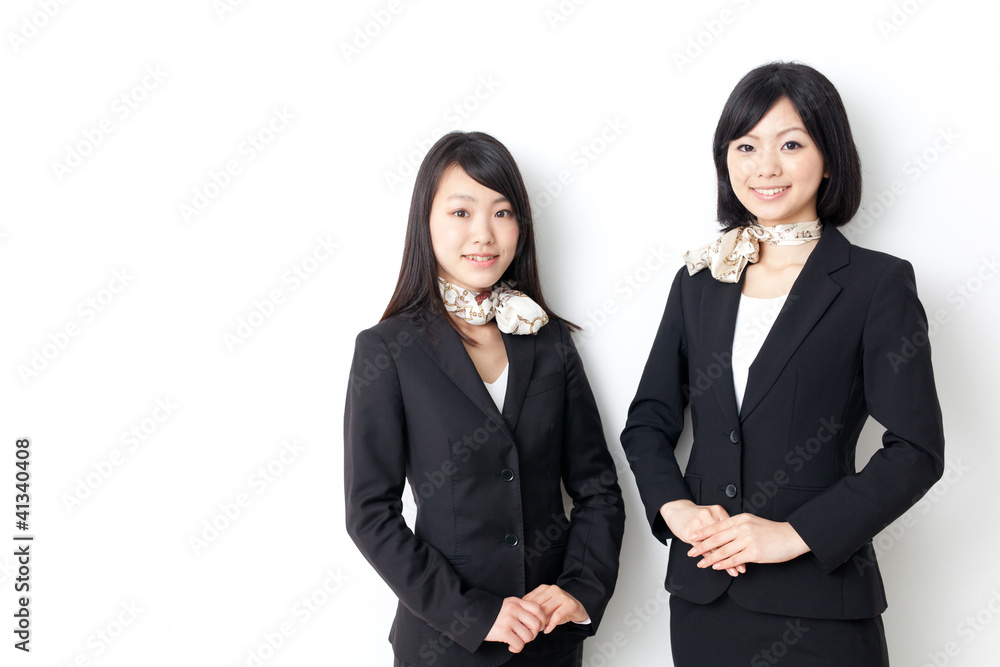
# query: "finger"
{"type": "Point", "coordinates": [714, 542]}
{"type": "Point", "coordinates": [530, 623]}
{"type": "Point", "coordinates": [738, 558]}
{"type": "Point", "coordinates": [542, 599]}
{"type": "Point", "coordinates": [718, 512]}
{"type": "Point", "coordinates": [712, 558]}
{"type": "Point", "coordinates": [536, 594]}
{"type": "Point", "coordinates": [705, 532]}
{"type": "Point", "coordinates": [514, 643]}
{"type": "Point", "coordinates": [524, 633]}
{"type": "Point", "coordinates": [534, 609]}
{"type": "Point", "coordinates": [557, 618]}
{"type": "Point", "coordinates": [733, 572]}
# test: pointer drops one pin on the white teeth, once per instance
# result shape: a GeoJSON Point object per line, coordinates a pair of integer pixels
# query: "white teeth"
{"type": "Point", "coordinates": [480, 258]}
{"type": "Point", "coordinates": [770, 191]}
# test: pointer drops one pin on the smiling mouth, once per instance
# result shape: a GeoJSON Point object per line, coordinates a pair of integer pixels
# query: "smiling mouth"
{"type": "Point", "coordinates": [480, 258]}
{"type": "Point", "coordinates": [769, 192]}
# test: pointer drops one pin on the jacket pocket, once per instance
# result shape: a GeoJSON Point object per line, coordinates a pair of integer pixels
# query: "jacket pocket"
{"type": "Point", "coordinates": [787, 499]}
{"type": "Point", "coordinates": [544, 383]}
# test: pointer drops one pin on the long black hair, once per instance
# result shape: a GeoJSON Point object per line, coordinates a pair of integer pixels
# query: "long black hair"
{"type": "Point", "coordinates": [489, 163]}
{"type": "Point", "coordinates": [819, 105]}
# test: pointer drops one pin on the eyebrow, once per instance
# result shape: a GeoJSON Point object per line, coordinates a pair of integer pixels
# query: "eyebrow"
{"type": "Point", "coordinates": [461, 195]}
{"type": "Point", "coordinates": [785, 131]}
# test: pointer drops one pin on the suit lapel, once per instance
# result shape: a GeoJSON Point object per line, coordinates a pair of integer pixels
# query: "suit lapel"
{"type": "Point", "coordinates": [719, 302]}
{"type": "Point", "coordinates": [521, 358]}
{"type": "Point", "coordinates": [811, 295]}
{"type": "Point", "coordinates": [448, 353]}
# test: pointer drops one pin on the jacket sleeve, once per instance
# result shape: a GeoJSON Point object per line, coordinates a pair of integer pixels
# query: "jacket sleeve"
{"type": "Point", "coordinates": [374, 474]}
{"type": "Point", "coordinates": [590, 567]}
{"type": "Point", "coordinates": [899, 393]}
{"type": "Point", "coordinates": [656, 416]}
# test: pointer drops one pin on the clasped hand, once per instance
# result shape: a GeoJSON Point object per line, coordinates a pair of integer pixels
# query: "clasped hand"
{"type": "Point", "coordinates": [541, 610]}
{"type": "Point", "coordinates": [728, 543]}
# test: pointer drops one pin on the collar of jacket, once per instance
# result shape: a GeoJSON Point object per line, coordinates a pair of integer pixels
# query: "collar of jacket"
{"type": "Point", "coordinates": [444, 346]}
{"type": "Point", "coordinates": [811, 295]}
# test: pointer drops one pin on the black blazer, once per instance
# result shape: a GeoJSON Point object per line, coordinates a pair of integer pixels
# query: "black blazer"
{"type": "Point", "coordinates": [850, 340]}
{"type": "Point", "coordinates": [490, 517]}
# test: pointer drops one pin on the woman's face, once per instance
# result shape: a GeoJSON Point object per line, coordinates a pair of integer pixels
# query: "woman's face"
{"type": "Point", "coordinates": [473, 231]}
{"type": "Point", "coordinates": [775, 169]}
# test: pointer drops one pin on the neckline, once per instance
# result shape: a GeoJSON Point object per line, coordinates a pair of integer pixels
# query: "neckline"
{"type": "Point", "coordinates": [499, 377]}
{"type": "Point", "coordinates": [757, 298]}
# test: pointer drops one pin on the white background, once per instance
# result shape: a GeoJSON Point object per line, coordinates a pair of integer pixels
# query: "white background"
{"type": "Point", "coordinates": [114, 516]}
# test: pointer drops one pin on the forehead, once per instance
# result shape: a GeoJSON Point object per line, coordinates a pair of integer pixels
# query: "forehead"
{"type": "Point", "coordinates": [458, 185]}
{"type": "Point", "coordinates": [781, 117]}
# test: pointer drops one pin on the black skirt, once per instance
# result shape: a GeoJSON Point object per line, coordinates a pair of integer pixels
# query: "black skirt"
{"type": "Point", "coordinates": [724, 634]}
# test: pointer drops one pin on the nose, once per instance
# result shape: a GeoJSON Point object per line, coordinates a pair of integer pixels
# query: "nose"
{"type": "Point", "coordinates": [481, 231]}
{"type": "Point", "coordinates": [768, 164]}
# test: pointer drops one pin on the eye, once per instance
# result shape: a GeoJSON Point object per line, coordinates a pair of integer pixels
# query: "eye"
{"type": "Point", "coordinates": [505, 213]}
{"type": "Point", "coordinates": [792, 145]}
{"type": "Point", "coordinates": [745, 148]}
{"type": "Point", "coordinates": [460, 213]}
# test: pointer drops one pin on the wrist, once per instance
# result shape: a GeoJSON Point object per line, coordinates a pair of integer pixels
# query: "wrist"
{"type": "Point", "coordinates": [668, 509]}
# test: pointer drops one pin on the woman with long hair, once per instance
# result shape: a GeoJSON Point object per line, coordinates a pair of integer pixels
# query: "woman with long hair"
{"type": "Point", "coordinates": [471, 389]}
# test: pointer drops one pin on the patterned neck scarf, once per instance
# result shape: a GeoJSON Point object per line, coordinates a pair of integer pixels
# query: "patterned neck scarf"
{"type": "Point", "coordinates": [515, 313]}
{"type": "Point", "coordinates": [729, 254]}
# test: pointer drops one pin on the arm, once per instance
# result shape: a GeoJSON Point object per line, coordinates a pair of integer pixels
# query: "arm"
{"type": "Point", "coordinates": [374, 475]}
{"type": "Point", "coordinates": [656, 417]}
{"type": "Point", "coordinates": [590, 568]}
{"type": "Point", "coordinates": [900, 395]}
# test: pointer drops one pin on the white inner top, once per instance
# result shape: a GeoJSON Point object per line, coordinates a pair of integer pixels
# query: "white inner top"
{"type": "Point", "coordinates": [498, 388]}
{"type": "Point", "coordinates": [753, 322]}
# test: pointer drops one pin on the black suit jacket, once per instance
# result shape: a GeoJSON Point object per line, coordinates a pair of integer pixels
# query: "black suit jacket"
{"type": "Point", "coordinates": [849, 342]}
{"type": "Point", "coordinates": [490, 517]}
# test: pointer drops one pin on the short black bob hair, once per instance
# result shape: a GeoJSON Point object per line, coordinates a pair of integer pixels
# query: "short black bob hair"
{"type": "Point", "coordinates": [822, 111]}
{"type": "Point", "coordinates": [488, 162]}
